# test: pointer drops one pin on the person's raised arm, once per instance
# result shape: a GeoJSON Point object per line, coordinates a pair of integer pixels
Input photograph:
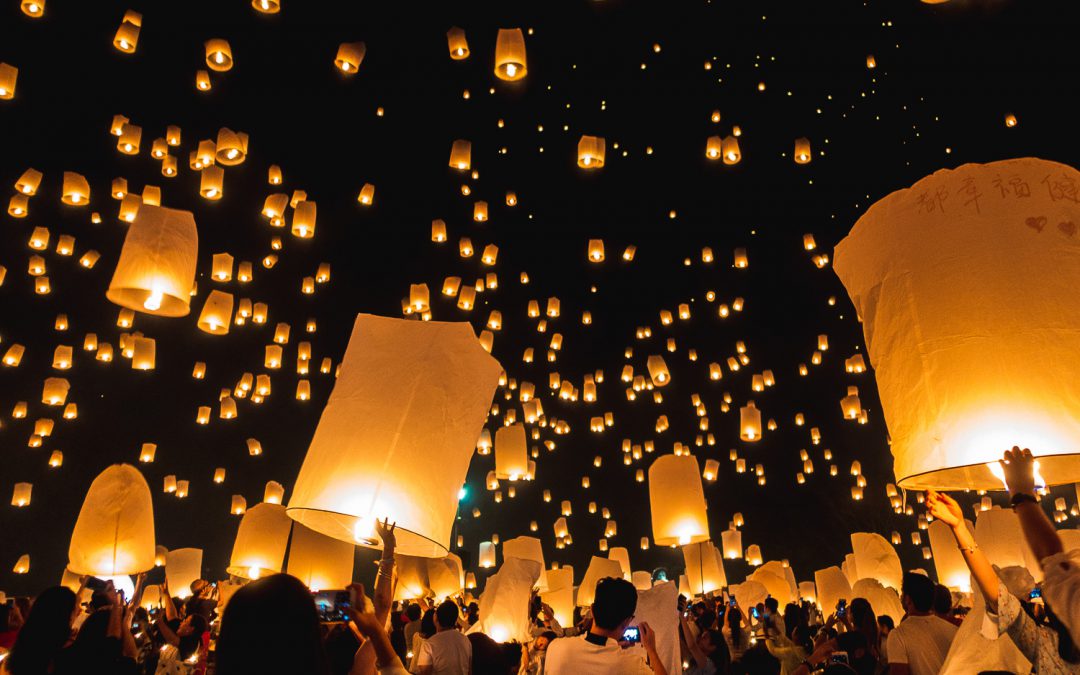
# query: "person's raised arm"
{"type": "Point", "coordinates": [648, 641]}
{"type": "Point", "coordinates": [1019, 468]}
{"type": "Point", "coordinates": [691, 644]}
{"type": "Point", "coordinates": [167, 602]}
{"type": "Point", "coordinates": [944, 508]}
{"type": "Point", "coordinates": [383, 597]}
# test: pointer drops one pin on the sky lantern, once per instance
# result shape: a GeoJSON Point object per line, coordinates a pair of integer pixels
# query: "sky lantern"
{"type": "Point", "coordinates": [34, 9]}
{"type": "Point", "coordinates": [349, 57]}
{"type": "Point", "coordinates": [658, 370]}
{"type": "Point", "coordinates": [1000, 360]}
{"type": "Point", "coordinates": [367, 194]}
{"type": "Point", "coordinates": [410, 396]}
{"type": "Point", "coordinates": [461, 155]}
{"type": "Point", "coordinates": [319, 561]}
{"type": "Point", "coordinates": [303, 220]}
{"type": "Point", "coordinates": [704, 567]}
{"type": "Point", "coordinates": [156, 267]}
{"type": "Point", "coordinates": [599, 568]}
{"type": "Point", "coordinates": [458, 45]}
{"type": "Point", "coordinates": [259, 548]}
{"type": "Point", "coordinates": [202, 80]}
{"type": "Point", "coordinates": [76, 190]}
{"type": "Point", "coordinates": [749, 422]}
{"type": "Point", "coordinates": [511, 452]}
{"type": "Point", "coordinates": [948, 560]}
{"type": "Point", "coordinates": [212, 183]}
{"type": "Point", "coordinates": [126, 38]}
{"type": "Point", "coordinates": [677, 501]}
{"type": "Point", "coordinates": [590, 152]}
{"type": "Point", "coordinates": [232, 147]}
{"type": "Point", "coordinates": [510, 55]}
{"type": "Point", "coordinates": [216, 313]}
{"type": "Point", "coordinates": [183, 566]}
{"type": "Point", "coordinates": [114, 534]}
{"type": "Point", "coordinates": [8, 75]}
{"type": "Point", "coordinates": [21, 494]}
{"type": "Point", "coordinates": [219, 55]}
{"type": "Point", "coordinates": [729, 148]}
{"type": "Point", "coordinates": [875, 558]}
{"type": "Point", "coordinates": [802, 151]}
{"type": "Point", "coordinates": [22, 565]}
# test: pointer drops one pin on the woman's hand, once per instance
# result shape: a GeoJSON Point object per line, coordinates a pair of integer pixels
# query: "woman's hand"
{"type": "Point", "coordinates": [365, 621]}
{"type": "Point", "coordinates": [944, 508]}
{"type": "Point", "coordinates": [1019, 468]}
{"type": "Point", "coordinates": [385, 530]}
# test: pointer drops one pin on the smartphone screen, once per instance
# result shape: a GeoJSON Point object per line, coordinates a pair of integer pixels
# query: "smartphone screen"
{"type": "Point", "coordinates": [631, 634]}
{"type": "Point", "coordinates": [332, 606]}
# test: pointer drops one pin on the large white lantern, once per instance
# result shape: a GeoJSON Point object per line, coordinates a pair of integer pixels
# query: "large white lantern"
{"type": "Point", "coordinates": [875, 558]}
{"type": "Point", "coordinates": [408, 405]}
{"type": "Point", "coordinates": [677, 501]}
{"type": "Point", "coordinates": [973, 352]}
{"type": "Point", "coordinates": [704, 567]}
{"type": "Point", "coordinates": [511, 452]}
{"type": "Point", "coordinates": [156, 269]}
{"type": "Point", "coordinates": [260, 543]}
{"type": "Point", "coordinates": [321, 562]}
{"type": "Point", "coordinates": [183, 566]}
{"type": "Point", "coordinates": [114, 533]}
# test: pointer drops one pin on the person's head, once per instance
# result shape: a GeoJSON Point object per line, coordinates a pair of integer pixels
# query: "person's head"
{"type": "Point", "coordinates": [271, 626]}
{"type": "Point", "coordinates": [614, 604]}
{"type": "Point", "coordinates": [47, 629]}
{"type": "Point", "coordinates": [199, 586]}
{"type": "Point", "coordinates": [544, 639]}
{"type": "Point", "coordinates": [917, 596]}
{"type": "Point", "coordinates": [757, 661]}
{"type": "Point", "coordinates": [446, 615]}
{"type": "Point", "coordinates": [427, 624]}
{"type": "Point", "coordinates": [190, 633]}
{"type": "Point", "coordinates": [942, 600]}
{"type": "Point", "coordinates": [885, 625]}
{"type": "Point", "coordinates": [772, 605]}
{"type": "Point", "coordinates": [705, 619]}
{"type": "Point", "coordinates": [492, 657]}
{"type": "Point", "coordinates": [712, 643]}
{"type": "Point", "coordinates": [413, 612]}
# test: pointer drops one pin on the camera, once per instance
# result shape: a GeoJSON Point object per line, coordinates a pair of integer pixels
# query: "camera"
{"type": "Point", "coordinates": [332, 606]}
{"type": "Point", "coordinates": [631, 634]}
{"type": "Point", "coordinates": [839, 657]}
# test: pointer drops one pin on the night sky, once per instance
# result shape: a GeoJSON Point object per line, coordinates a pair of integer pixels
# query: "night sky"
{"type": "Point", "coordinates": [647, 77]}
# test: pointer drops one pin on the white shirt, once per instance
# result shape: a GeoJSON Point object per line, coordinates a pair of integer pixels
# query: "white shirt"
{"type": "Point", "coordinates": [1061, 589]}
{"type": "Point", "coordinates": [922, 643]}
{"type": "Point", "coordinates": [448, 652]}
{"type": "Point", "coordinates": [575, 656]}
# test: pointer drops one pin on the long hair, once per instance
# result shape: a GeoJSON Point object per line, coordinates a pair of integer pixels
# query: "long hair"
{"type": "Point", "coordinates": [865, 621]}
{"type": "Point", "coordinates": [271, 627]}
{"type": "Point", "coordinates": [721, 656]}
{"type": "Point", "coordinates": [44, 634]}
{"type": "Point", "coordinates": [734, 622]}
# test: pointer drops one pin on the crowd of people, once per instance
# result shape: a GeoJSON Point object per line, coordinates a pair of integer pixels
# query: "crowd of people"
{"type": "Point", "coordinates": [273, 625]}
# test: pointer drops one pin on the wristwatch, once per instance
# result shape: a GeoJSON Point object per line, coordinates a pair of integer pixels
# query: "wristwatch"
{"type": "Point", "coordinates": [1021, 497]}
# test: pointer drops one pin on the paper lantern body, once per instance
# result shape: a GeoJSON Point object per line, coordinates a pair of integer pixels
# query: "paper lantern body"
{"type": "Point", "coordinates": [260, 543]}
{"type": "Point", "coordinates": [409, 402]}
{"type": "Point", "coordinates": [642, 580]}
{"type": "Point", "coordinates": [511, 452]}
{"type": "Point", "coordinates": [948, 561]}
{"type": "Point", "coordinates": [973, 353]}
{"type": "Point", "coordinates": [114, 533]}
{"type": "Point", "coordinates": [156, 269]}
{"type": "Point", "coordinates": [831, 586]}
{"type": "Point", "coordinates": [599, 568]}
{"type": "Point", "coordinates": [677, 501]}
{"type": "Point", "coordinates": [445, 576]}
{"type": "Point", "coordinates": [875, 558]}
{"type": "Point", "coordinates": [998, 534]}
{"type": "Point", "coordinates": [527, 548]}
{"type": "Point", "coordinates": [182, 566]}
{"type": "Point", "coordinates": [731, 539]}
{"type": "Point", "coordinates": [319, 561]}
{"type": "Point", "coordinates": [704, 568]}
{"type": "Point", "coordinates": [560, 594]}
{"type": "Point", "coordinates": [504, 604]}
{"type": "Point", "coordinates": [510, 61]}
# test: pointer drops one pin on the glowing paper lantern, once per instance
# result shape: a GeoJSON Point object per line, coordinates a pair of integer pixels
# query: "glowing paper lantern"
{"type": "Point", "coordinates": [273, 493]}
{"type": "Point", "coordinates": [875, 558]}
{"type": "Point", "coordinates": [998, 534]}
{"type": "Point", "coordinates": [183, 566]}
{"type": "Point", "coordinates": [127, 35]}
{"type": "Point", "coordinates": [114, 533]}
{"type": "Point", "coordinates": [1002, 359]}
{"type": "Point", "coordinates": [704, 567]}
{"type": "Point", "coordinates": [590, 152]}
{"type": "Point", "coordinates": [831, 586]}
{"type": "Point", "coordinates": [21, 494]}
{"type": "Point", "coordinates": [76, 189]}
{"type": "Point", "coordinates": [219, 55]}
{"type": "Point", "coordinates": [511, 452]}
{"type": "Point", "coordinates": [504, 604]}
{"type": "Point", "coordinates": [156, 268]}
{"type": "Point", "coordinates": [410, 396]}
{"type": "Point", "coordinates": [677, 501]}
{"type": "Point", "coordinates": [948, 560]}
{"type": "Point", "coordinates": [510, 63]}
{"type": "Point", "coordinates": [658, 370]}
{"type": "Point", "coordinates": [599, 568]}
{"type": "Point", "coordinates": [22, 565]}
{"type": "Point", "coordinates": [802, 151]}
{"type": "Point", "coordinates": [458, 45]}
{"type": "Point", "coordinates": [749, 422]}
{"type": "Point", "coordinates": [349, 57]}
{"type": "Point", "coordinates": [8, 75]}
{"type": "Point", "coordinates": [259, 548]}
{"type": "Point", "coordinates": [731, 539]}
{"type": "Point", "coordinates": [319, 561]}
{"type": "Point", "coordinates": [216, 313]}
{"type": "Point", "coordinates": [461, 155]}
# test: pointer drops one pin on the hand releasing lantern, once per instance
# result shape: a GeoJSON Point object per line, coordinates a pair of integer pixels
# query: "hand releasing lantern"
{"type": "Point", "coordinates": [965, 284]}
{"type": "Point", "coordinates": [408, 406]}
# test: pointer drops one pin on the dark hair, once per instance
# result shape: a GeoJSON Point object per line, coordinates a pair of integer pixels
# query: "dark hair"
{"type": "Point", "coordinates": [614, 602]}
{"type": "Point", "coordinates": [427, 624]}
{"type": "Point", "coordinates": [772, 604]}
{"type": "Point", "coordinates": [734, 622]}
{"type": "Point", "coordinates": [45, 632]}
{"type": "Point", "coordinates": [549, 634]}
{"type": "Point", "coordinates": [853, 642]}
{"type": "Point", "coordinates": [885, 621]}
{"type": "Point", "coordinates": [865, 621]}
{"type": "Point", "coordinates": [413, 612]}
{"type": "Point", "coordinates": [757, 661]}
{"type": "Point", "coordinates": [446, 614]}
{"type": "Point", "coordinates": [919, 589]}
{"type": "Point", "coordinates": [942, 599]}
{"type": "Point", "coordinates": [491, 657]}
{"type": "Point", "coordinates": [270, 626]}
{"type": "Point", "coordinates": [720, 657]}
{"type": "Point", "coordinates": [189, 644]}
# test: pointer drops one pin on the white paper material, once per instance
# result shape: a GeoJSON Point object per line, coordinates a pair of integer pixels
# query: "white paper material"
{"type": "Point", "coordinates": [875, 558]}
{"type": "Point", "coordinates": [114, 533]}
{"type": "Point", "coordinates": [659, 607]}
{"type": "Point", "coordinates": [504, 604]}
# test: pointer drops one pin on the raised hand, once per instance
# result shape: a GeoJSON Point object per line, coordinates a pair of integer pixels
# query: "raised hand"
{"type": "Point", "coordinates": [1019, 468]}
{"type": "Point", "coordinates": [944, 508]}
{"type": "Point", "coordinates": [385, 530]}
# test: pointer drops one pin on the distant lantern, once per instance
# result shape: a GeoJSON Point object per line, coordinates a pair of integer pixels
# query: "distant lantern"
{"type": "Point", "coordinates": [144, 353]}
{"type": "Point", "coordinates": [677, 501]}
{"type": "Point", "coordinates": [56, 459]}
{"type": "Point", "coordinates": [753, 555]}
{"type": "Point", "coordinates": [418, 392]}
{"type": "Point", "coordinates": [319, 561]}
{"type": "Point", "coordinates": [238, 506]}
{"type": "Point", "coordinates": [749, 422]}
{"type": "Point", "coordinates": [596, 250]}
{"type": "Point", "coordinates": [216, 313]}
{"type": "Point", "coordinates": [741, 259]}
{"type": "Point", "coordinates": [303, 220]}
{"type": "Point", "coordinates": [21, 495]}
{"type": "Point", "coordinates": [349, 57]}
{"type": "Point", "coordinates": [510, 63]}
{"type": "Point", "coordinates": [126, 38]}
{"type": "Point", "coordinates": [76, 190]}
{"type": "Point", "coordinates": [438, 230]}
{"type": "Point", "coordinates": [713, 147]}
{"type": "Point", "coordinates": [18, 206]}
{"type": "Point", "coordinates": [219, 55]}
{"type": "Point", "coordinates": [156, 268]}
{"type": "Point", "coordinates": [511, 452]}
{"type": "Point", "coordinates": [591, 151]}
{"type": "Point", "coordinates": [459, 46]}
{"type": "Point", "coordinates": [54, 391]}
{"type": "Point", "coordinates": [1010, 120]}
{"type": "Point", "coordinates": [130, 139]}
{"type": "Point", "coordinates": [202, 80]}
{"type": "Point", "coordinates": [704, 567]}
{"type": "Point", "coordinates": [219, 475]}
{"type": "Point", "coordinates": [461, 155]}
{"type": "Point", "coordinates": [802, 150]}
{"type": "Point", "coordinates": [712, 470]}
{"type": "Point", "coordinates": [183, 566]}
{"type": "Point", "coordinates": [8, 75]}
{"type": "Point", "coordinates": [212, 182]}
{"type": "Point", "coordinates": [259, 548]}
{"type": "Point", "coordinates": [274, 492]}
{"type": "Point", "coordinates": [33, 8]}
{"type": "Point", "coordinates": [114, 533]}
{"type": "Point", "coordinates": [480, 212]}
{"type": "Point", "coordinates": [367, 194]}
{"type": "Point", "coordinates": [730, 149]}
{"type": "Point", "coordinates": [487, 554]}
{"type": "Point", "coordinates": [22, 565]}
{"type": "Point", "coordinates": [969, 295]}
{"type": "Point", "coordinates": [658, 370]}
{"type": "Point", "coordinates": [231, 147]}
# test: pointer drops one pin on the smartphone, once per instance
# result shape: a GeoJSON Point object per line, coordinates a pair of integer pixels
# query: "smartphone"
{"type": "Point", "coordinates": [332, 606]}
{"type": "Point", "coordinates": [754, 612]}
{"type": "Point", "coordinates": [839, 657]}
{"type": "Point", "coordinates": [841, 607]}
{"type": "Point", "coordinates": [631, 634]}
{"type": "Point", "coordinates": [1035, 593]}
{"type": "Point", "coordinates": [731, 603]}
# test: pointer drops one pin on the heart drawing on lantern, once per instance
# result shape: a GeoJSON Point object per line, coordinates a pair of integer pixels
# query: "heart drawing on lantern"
{"type": "Point", "coordinates": [1036, 224]}
{"type": "Point", "coordinates": [1068, 228]}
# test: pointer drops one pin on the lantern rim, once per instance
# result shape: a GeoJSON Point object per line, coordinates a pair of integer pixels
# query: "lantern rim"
{"type": "Point", "coordinates": [135, 299]}
{"type": "Point", "coordinates": [338, 525]}
{"type": "Point", "coordinates": [1064, 469]}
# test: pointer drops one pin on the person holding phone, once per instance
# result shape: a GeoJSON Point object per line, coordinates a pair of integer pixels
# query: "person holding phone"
{"type": "Point", "coordinates": [734, 632]}
{"type": "Point", "coordinates": [1048, 646]}
{"type": "Point", "coordinates": [599, 651]}
{"type": "Point", "coordinates": [708, 649]}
